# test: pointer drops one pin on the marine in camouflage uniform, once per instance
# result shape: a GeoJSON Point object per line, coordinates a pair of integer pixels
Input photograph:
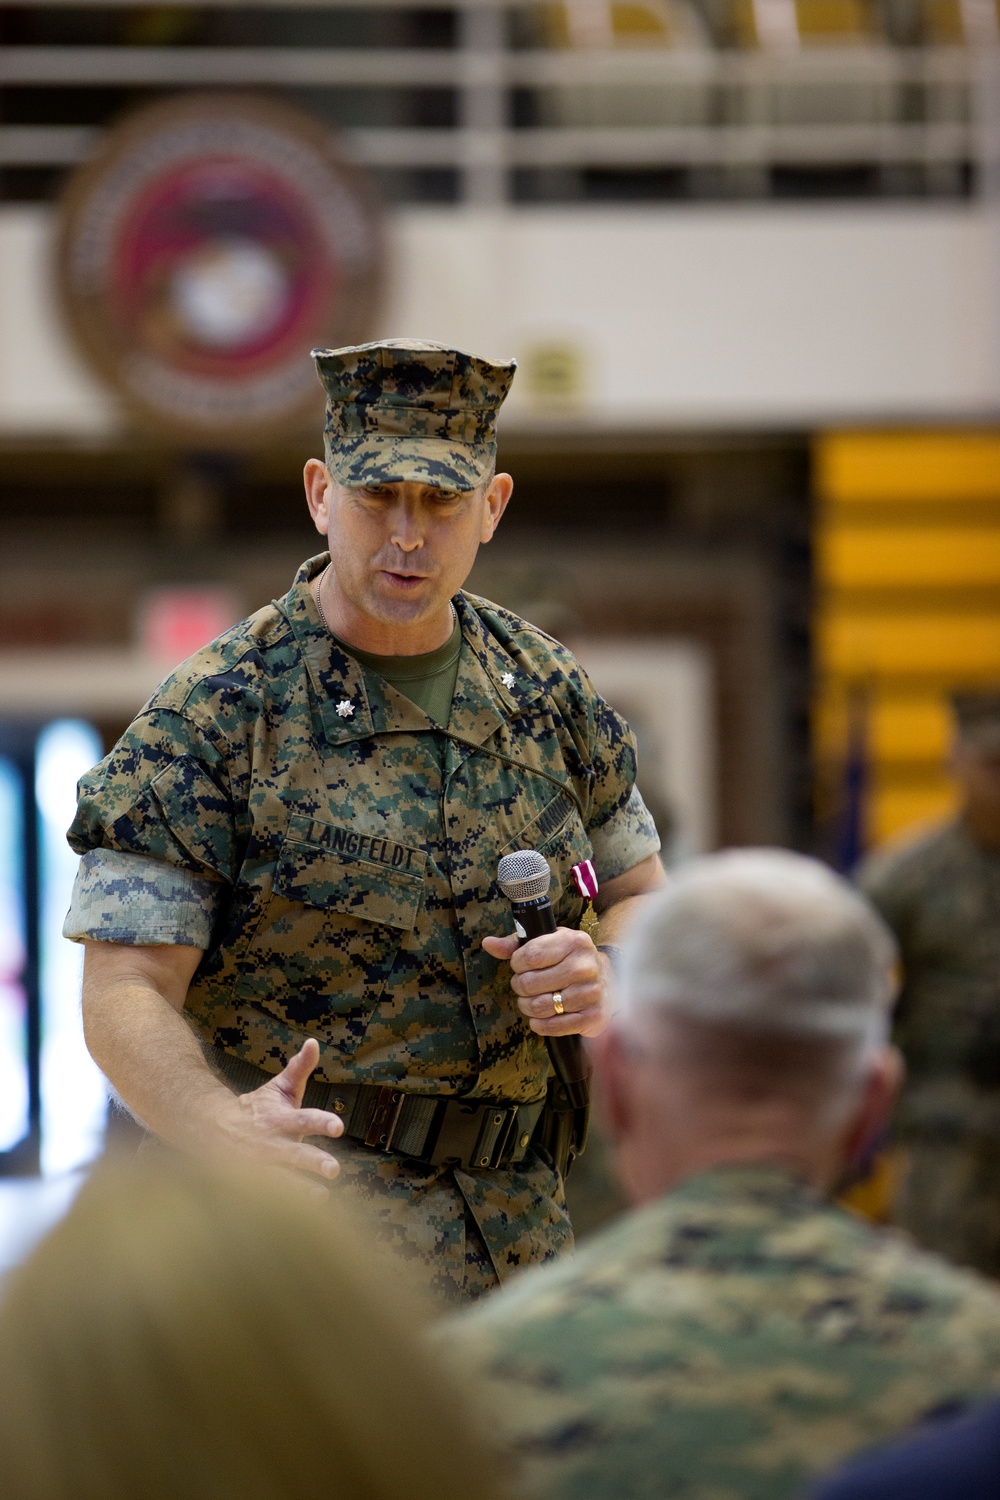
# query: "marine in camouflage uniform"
{"type": "Point", "coordinates": [940, 893]}
{"type": "Point", "coordinates": [737, 1333]}
{"type": "Point", "coordinates": [333, 850]}
{"type": "Point", "coordinates": [730, 1340]}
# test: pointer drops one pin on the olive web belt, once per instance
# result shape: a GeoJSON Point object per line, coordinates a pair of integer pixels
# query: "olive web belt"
{"type": "Point", "coordinates": [436, 1129]}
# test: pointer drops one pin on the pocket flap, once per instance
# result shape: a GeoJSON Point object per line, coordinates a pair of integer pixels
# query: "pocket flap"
{"type": "Point", "coordinates": [364, 875]}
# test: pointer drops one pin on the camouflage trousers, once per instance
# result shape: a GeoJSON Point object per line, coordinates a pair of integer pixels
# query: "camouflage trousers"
{"type": "Point", "coordinates": [949, 1200]}
{"type": "Point", "coordinates": [457, 1234]}
{"type": "Point", "coordinates": [460, 1233]}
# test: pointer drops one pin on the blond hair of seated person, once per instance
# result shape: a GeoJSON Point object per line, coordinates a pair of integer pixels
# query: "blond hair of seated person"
{"type": "Point", "coordinates": [187, 1335]}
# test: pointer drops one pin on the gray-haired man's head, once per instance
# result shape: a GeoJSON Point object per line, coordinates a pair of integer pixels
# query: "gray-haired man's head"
{"type": "Point", "coordinates": [752, 1024]}
{"type": "Point", "coordinates": [763, 940]}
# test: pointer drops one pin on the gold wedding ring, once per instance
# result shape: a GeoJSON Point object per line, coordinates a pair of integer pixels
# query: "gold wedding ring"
{"type": "Point", "coordinates": [557, 1004]}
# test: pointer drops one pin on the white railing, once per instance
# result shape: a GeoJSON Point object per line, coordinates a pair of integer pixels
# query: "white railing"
{"type": "Point", "coordinates": [702, 107]}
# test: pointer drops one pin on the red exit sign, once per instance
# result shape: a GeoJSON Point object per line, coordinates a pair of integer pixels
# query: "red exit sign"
{"type": "Point", "coordinates": [176, 622]}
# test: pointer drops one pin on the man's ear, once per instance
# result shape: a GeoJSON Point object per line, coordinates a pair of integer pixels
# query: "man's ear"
{"type": "Point", "coordinates": [497, 499]}
{"type": "Point", "coordinates": [878, 1100]}
{"type": "Point", "coordinates": [611, 1071]}
{"type": "Point", "coordinates": [316, 477]}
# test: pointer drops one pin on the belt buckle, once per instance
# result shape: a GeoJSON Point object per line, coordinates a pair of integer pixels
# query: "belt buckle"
{"type": "Point", "coordinates": [384, 1118]}
{"type": "Point", "coordinates": [498, 1119]}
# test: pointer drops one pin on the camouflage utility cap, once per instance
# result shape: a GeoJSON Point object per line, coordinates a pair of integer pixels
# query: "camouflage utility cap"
{"type": "Point", "coordinates": [403, 409]}
{"type": "Point", "coordinates": [977, 715]}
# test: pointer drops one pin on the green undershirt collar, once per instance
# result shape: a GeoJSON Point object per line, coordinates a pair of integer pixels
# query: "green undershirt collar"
{"type": "Point", "coordinates": [427, 680]}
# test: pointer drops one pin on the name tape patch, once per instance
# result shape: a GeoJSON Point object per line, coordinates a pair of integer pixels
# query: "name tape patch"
{"type": "Point", "coordinates": [370, 846]}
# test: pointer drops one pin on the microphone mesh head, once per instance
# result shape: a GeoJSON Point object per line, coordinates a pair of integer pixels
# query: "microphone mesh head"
{"type": "Point", "coordinates": [524, 876]}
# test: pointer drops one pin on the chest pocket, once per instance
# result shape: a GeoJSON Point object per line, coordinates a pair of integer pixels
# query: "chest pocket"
{"type": "Point", "coordinates": [559, 834]}
{"type": "Point", "coordinates": [340, 905]}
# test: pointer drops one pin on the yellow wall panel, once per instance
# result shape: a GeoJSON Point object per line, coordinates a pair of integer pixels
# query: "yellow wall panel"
{"type": "Point", "coordinates": [956, 646]}
{"type": "Point", "coordinates": [896, 810]}
{"type": "Point", "coordinates": [907, 647]}
{"type": "Point", "coordinates": [900, 727]}
{"type": "Point", "coordinates": [834, 18]}
{"type": "Point", "coordinates": [910, 729]}
{"type": "Point", "coordinates": [874, 466]}
{"type": "Point", "coordinates": [908, 557]}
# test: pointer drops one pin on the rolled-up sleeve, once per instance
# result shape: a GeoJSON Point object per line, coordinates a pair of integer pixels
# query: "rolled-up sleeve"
{"type": "Point", "coordinates": [620, 828]}
{"type": "Point", "coordinates": [625, 839]}
{"type": "Point", "coordinates": [139, 901]}
{"type": "Point", "coordinates": [157, 832]}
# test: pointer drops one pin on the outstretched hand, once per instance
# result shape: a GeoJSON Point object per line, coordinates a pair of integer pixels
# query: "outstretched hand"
{"type": "Point", "coordinates": [269, 1124]}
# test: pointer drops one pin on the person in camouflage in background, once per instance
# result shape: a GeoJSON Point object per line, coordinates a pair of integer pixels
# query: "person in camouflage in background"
{"type": "Point", "coordinates": [288, 890]}
{"type": "Point", "coordinates": [736, 1333]}
{"type": "Point", "coordinates": [940, 894]}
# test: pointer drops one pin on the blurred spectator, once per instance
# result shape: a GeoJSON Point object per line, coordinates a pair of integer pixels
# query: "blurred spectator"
{"type": "Point", "coordinates": [736, 1333]}
{"type": "Point", "coordinates": [181, 1334]}
{"type": "Point", "coordinates": [954, 1460]}
{"type": "Point", "coordinates": [940, 894]}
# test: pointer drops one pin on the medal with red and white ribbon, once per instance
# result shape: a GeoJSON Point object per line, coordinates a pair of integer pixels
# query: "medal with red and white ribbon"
{"type": "Point", "coordinates": [585, 879]}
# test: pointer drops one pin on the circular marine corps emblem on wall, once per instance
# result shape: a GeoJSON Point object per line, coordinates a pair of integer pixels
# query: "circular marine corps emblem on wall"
{"type": "Point", "coordinates": [209, 246]}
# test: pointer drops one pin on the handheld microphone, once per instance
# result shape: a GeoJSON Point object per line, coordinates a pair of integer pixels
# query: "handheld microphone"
{"type": "Point", "coordinates": [524, 879]}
